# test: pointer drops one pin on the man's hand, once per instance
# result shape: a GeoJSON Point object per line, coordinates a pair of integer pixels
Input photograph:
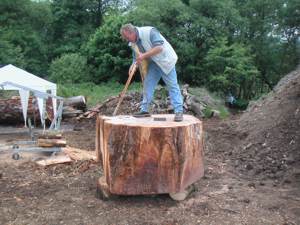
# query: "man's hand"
{"type": "Point", "coordinates": [140, 58]}
{"type": "Point", "coordinates": [146, 55]}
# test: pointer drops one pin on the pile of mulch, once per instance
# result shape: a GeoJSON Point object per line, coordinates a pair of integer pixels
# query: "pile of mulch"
{"type": "Point", "coordinates": [270, 133]}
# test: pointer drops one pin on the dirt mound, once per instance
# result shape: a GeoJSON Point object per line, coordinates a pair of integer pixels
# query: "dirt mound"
{"type": "Point", "coordinates": [271, 132]}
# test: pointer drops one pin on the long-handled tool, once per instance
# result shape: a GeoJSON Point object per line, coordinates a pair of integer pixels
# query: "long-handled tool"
{"type": "Point", "coordinates": [132, 72]}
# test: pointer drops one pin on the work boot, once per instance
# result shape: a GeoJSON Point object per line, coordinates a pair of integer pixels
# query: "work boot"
{"type": "Point", "coordinates": [141, 114]}
{"type": "Point", "coordinates": [178, 117]}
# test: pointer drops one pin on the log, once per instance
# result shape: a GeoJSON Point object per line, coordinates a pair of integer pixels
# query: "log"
{"type": "Point", "coordinates": [77, 102]}
{"type": "Point", "coordinates": [11, 110]}
{"type": "Point", "coordinates": [149, 156]}
{"type": "Point", "coordinates": [69, 112]}
{"type": "Point", "coordinates": [50, 135]}
{"type": "Point", "coordinates": [51, 142]}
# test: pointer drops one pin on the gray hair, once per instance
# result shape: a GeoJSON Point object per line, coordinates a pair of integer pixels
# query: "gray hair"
{"type": "Point", "coordinates": [127, 27]}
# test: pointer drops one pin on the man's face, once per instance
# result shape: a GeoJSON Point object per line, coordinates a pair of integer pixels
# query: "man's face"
{"type": "Point", "coordinates": [129, 36]}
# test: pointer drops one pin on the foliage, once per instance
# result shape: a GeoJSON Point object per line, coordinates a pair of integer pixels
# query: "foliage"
{"type": "Point", "coordinates": [264, 31]}
{"type": "Point", "coordinates": [108, 55]}
{"type": "Point", "coordinates": [10, 54]}
{"type": "Point", "coordinates": [95, 93]}
{"type": "Point", "coordinates": [22, 32]}
{"type": "Point", "coordinates": [69, 68]}
{"type": "Point", "coordinates": [241, 104]}
{"type": "Point", "coordinates": [231, 69]}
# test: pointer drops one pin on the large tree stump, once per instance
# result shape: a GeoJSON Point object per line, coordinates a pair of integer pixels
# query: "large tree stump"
{"type": "Point", "coordinates": [145, 156]}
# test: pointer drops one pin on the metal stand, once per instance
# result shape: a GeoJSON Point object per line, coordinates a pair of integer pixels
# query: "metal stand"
{"type": "Point", "coordinates": [30, 146]}
{"type": "Point", "coordinates": [17, 149]}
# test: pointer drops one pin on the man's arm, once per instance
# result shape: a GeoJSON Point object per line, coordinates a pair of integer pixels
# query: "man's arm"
{"type": "Point", "coordinates": [153, 51]}
{"type": "Point", "coordinates": [156, 42]}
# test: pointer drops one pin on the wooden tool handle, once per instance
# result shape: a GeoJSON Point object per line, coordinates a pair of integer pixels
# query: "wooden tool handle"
{"type": "Point", "coordinates": [132, 72]}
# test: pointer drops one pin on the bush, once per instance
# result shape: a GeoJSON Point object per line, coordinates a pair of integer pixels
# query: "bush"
{"type": "Point", "coordinates": [69, 68]}
{"type": "Point", "coordinates": [241, 104]}
{"type": "Point", "coordinates": [108, 55]}
{"type": "Point", "coordinates": [95, 94]}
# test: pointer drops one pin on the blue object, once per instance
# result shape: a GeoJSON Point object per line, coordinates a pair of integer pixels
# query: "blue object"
{"type": "Point", "coordinates": [231, 99]}
{"type": "Point", "coordinates": [153, 76]}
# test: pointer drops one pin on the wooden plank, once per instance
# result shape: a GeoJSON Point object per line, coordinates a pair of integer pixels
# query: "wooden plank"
{"type": "Point", "coordinates": [79, 154]}
{"type": "Point", "coordinates": [51, 142]}
{"type": "Point", "coordinates": [49, 135]}
{"type": "Point", "coordinates": [54, 160]}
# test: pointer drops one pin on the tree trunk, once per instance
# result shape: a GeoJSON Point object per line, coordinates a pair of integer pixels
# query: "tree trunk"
{"type": "Point", "coordinates": [77, 102]}
{"type": "Point", "coordinates": [11, 111]}
{"type": "Point", "coordinates": [145, 156]}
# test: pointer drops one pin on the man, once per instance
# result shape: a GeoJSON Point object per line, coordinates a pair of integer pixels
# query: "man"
{"type": "Point", "coordinates": [161, 57]}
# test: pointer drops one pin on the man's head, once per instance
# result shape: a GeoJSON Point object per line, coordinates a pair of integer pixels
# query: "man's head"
{"type": "Point", "coordinates": [128, 32]}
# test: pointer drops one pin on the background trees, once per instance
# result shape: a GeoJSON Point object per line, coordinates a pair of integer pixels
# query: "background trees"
{"type": "Point", "coordinates": [238, 46]}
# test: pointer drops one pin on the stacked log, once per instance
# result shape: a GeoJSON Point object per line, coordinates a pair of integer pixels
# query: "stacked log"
{"type": "Point", "coordinates": [51, 139]}
{"type": "Point", "coordinates": [77, 102]}
{"type": "Point", "coordinates": [11, 112]}
{"type": "Point", "coordinates": [74, 106]}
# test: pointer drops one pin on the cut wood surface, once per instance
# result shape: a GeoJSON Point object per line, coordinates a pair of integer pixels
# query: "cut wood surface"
{"type": "Point", "coordinates": [51, 142]}
{"type": "Point", "coordinates": [54, 160]}
{"type": "Point", "coordinates": [79, 154]}
{"type": "Point", "coordinates": [144, 156]}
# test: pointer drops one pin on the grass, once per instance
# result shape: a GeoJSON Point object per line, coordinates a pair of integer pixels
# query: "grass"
{"type": "Point", "coordinates": [95, 93]}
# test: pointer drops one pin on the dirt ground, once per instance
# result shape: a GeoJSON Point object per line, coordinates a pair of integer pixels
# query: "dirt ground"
{"type": "Point", "coordinates": [252, 175]}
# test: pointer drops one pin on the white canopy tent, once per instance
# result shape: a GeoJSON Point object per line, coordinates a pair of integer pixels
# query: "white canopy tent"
{"type": "Point", "coordinates": [14, 78]}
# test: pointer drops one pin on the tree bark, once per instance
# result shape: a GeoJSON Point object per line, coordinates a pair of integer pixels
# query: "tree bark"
{"type": "Point", "coordinates": [144, 156]}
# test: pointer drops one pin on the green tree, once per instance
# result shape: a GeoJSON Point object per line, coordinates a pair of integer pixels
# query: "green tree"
{"type": "Point", "coordinates": [108, 55]}
{"type": "Point", "coordinates": [289, 32]}
{"type": "Point", "coordinates": [231, 69]}
{"type": "Point", "coordinates": [265, 32]}
{"type": "Point", "coordinates": [10, 54]}
{"type": "Point", "coordinates": [75, 20]}
{"type": "Point", "coordinates": [69, 68]}
{"type": "Point", "coordinates": [23, 33]}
